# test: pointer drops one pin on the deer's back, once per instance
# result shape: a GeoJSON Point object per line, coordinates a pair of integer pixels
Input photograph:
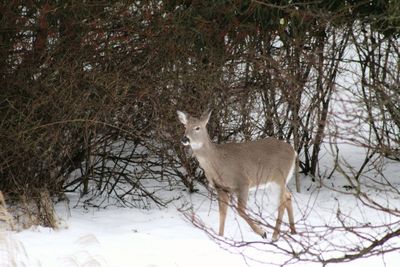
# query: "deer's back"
{"type": "Point", "coordinates": [258, 162]}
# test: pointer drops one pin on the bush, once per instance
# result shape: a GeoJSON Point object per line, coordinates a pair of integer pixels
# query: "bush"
{"type": "Point", "coordinates": [89, 91]}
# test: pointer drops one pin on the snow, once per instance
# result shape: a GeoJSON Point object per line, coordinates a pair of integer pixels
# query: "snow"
{"type": "Point", "coordinates": [166, 237]}
{"type": "Point", "coordinates": [122, 237]}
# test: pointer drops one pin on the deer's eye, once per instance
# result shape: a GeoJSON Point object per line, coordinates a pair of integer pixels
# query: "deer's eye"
{"type": "Point", "coordinates": [197, 128]}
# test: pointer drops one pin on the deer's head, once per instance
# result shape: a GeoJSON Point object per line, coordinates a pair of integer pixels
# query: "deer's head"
{"type": "Point", "coordinates": [196, 134]}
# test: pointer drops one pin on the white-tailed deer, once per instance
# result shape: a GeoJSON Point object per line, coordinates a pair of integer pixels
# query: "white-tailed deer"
{"type": "Point", "coordinates": [234, 168]}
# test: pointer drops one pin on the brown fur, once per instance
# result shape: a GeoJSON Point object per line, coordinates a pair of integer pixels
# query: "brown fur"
{"type": "Point", "coordinates": [234, 168]}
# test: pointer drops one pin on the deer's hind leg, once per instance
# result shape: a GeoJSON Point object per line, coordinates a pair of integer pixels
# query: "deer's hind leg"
{"type": "Point", "coordinates": [278, 222]}
{"type": "Point", "coordinates": [289, 209]}
{"type": "Point", "coordinates": [285, 203]}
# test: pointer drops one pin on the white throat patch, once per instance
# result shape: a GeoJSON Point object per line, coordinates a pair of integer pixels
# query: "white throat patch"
{"type": "Point", "coordinates": [196, 145]}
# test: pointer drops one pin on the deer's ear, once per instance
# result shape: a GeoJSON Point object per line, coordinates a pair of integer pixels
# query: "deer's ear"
{"type": "Point", "coordinates": [183, 116]}
{"type": "Point", "coordinates": [206, 116]}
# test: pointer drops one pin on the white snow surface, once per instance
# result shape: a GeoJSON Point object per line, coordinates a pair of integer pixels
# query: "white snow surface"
{"type": "Point", "coordinates": [164, 237]}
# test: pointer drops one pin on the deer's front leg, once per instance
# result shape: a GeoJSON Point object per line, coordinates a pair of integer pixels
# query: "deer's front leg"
{"type": "Point", "coordinates": [223, 201]}
{"type": "Point", "coordinates": [242, 203]}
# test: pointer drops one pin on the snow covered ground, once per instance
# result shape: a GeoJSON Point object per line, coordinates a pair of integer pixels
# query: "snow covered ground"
{"type": "Point", "coordinates": [166, 237]}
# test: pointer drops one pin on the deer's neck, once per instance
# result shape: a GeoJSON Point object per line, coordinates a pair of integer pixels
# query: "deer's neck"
{"type": "Point", "coordinates": [207, 156]}
{"type": "Point", "coordinates": [204, 150]}
{"type": "Point", "coordinates": [205, 153]}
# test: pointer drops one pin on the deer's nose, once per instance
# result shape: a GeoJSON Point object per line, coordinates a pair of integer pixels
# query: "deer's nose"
{"type": "Point", "coordinates": [185, 141]}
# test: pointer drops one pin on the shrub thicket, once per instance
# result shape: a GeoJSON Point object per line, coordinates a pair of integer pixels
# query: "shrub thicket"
{"type": "Point", "coordinates": [89, 89]}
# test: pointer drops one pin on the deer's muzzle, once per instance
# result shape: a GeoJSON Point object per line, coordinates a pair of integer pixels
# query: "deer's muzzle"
{"type": "Point", "coordinates": [185, 141]}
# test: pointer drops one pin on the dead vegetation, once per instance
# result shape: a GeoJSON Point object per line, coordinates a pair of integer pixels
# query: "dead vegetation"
{"type": "Point", "coordinates": [89, 91]}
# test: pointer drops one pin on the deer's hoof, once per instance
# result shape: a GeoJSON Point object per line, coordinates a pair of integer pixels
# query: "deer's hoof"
{"type": "Point", "coordinates": [275, 238]}
{"type": "Point", "coordinates": [264, 235]}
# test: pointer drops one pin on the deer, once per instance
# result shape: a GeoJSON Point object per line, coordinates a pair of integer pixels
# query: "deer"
{"type": "Point", "coordinates": [232, 169]}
